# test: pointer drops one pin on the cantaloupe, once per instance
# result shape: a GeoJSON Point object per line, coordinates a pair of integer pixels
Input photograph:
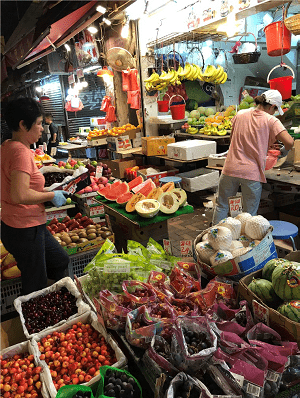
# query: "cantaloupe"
{"type": "Point", "coordinates": [155, 193]}
{"type": "Point", "coordinates": [130, 206]}
{"type": "Point", "coordinates": [168, 186]}
{"type": "Point", "coordinates": [181, 195]}
{"type": "Point", "coordinates": [169, 203]}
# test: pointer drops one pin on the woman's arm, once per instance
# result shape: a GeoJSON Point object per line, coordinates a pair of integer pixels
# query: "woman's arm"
{"type": "Point", "coordinates": [286, 139]}
{"type": "Point", "coordinates": [21, 193]}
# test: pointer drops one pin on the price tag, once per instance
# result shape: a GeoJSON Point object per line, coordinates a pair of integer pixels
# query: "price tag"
{"type": "Point", "coordinates": [238, 378]}
{"type": "Point", "coordinates": [235, 205]}
{"type": "Point", "coordinates": [260, 312]}
{"type": "Point", "coordinates": [167, 246]}
{"type": "Point", "coordinates": [99, 170]}
{"type": "Point", "coordinates": [186, 248]}
{"type": "Point", "coordinates": [116, 267]}
{"type": "Point", "coordinates": [272, 376]}
{"type": "Point", "coordinates": [245, 93]}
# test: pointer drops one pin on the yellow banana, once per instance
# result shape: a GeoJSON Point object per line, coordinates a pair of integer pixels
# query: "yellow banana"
{"type": "Point", "coordinates": [154, 76]}
{"type": "Point", "coordinates": [195, 72]}
{"type": "Point", "coordinates": [182, 72]}
{"type": "Point", "coordinates": [190, 73]}
{"type": "Point", "coordinates": [186, 71]}
{"type": "Point", "coordinates": [179, 70]}
{"type": "Point", "coordinates": [219, 73]}
{"type": "Point", "coordinates": [224, 78]}
{"type": "Point", "coordinates": [209, 73]}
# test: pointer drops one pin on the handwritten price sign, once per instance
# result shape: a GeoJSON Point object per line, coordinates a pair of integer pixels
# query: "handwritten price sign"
{"type": "Point", "coordinates": [235, 205]}
{"type": "Point", "coordinates": [167, 246]}
{"type": "Point", "coordinates": [186, 248]}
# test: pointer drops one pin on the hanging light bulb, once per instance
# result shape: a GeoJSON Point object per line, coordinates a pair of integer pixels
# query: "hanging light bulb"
{"type": "Point", "coordinates": [101, 9]}
{"type": "Point", "coordinates": [92, 29]}
{"type": "Point", "coordinates": [107, 21]}
{"type": "Point", "coordinates": [105, 71]}
{"type": "Point", "coordinates": [84, 83]}
{"type": "Point", "coordinates": [125, 29]}
{"type": "Point", "coordinates": [39, 89]}
{"type": "Point", "coordinates": [67, 47]}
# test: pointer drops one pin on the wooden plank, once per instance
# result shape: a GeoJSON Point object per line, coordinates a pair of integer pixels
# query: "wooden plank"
{"type": "Point", "coordinates": [128, 151]}
{"type": "Point", "coordinates": [179, 160]}
{"type": "Point", "coordinates": [215, 167]}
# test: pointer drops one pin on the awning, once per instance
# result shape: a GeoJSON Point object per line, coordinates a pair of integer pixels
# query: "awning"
{"type": "Point", "coordinates": [51, 29]}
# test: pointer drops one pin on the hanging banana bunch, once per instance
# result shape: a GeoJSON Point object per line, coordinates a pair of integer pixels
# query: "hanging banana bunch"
{"type": "Point", "coordinates": [215, 75]}
{"type": "Point", "coordinates": [156, 82]}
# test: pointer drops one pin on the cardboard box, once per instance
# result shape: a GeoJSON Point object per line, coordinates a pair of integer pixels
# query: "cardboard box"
{"type": "Point", "coordinates": [288, 330]}
{"type": "Point", "coordinates": [283, 247]}
{"type": "Point", "coordinates": [92, 210]}
{"type": "Point", "coordinates": [88, 198]}
{"type": "Point", "coordinates": [97, 141]}
{"type": "Point", "coordinates": [199, 179]}
{"type": "Point", "coordinates": [165, 171]}
{"type": "Point", "coordinates": [134, 133]}
{"type": "Point", "coordinates": [118, 166]}
{"type": "Point", "coordinates": [243, 265]}
{"type": "Point", "coordinates": [156, 146]}
{"type": "Point", "coordinates": [191, 149]}
{"type": "Point", "coordinates": [89, 245]}
{"type": "Point", "coordinates": [57, 212]}
{"type": "Point", "coordinates": [216, 161]}
{"type": "Point", "coordinates": [119, 143]}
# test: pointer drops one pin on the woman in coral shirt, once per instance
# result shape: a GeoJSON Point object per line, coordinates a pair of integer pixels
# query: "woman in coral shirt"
{"type": "Point", "coordinates": [254, 130]}
{"type": "Point", "coordinates": [23, 226]}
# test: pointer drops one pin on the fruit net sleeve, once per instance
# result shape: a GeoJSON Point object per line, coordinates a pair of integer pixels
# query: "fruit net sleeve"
{"type": "Point", "coordinates": [65, 282]}
{"type": "Point", "coordinates": [104, 369]}
{"type": "Point", "coordinates": [248, 375]}
{"type": "Point", "coordinates": [88, 317]}
{"type": "Point", "coordinates": [159, 351]}
{"type": "Point", "coordinates": [262, 335]}
{"type": "Point", "coordinates": [227, 319]}
{"type": "Point", "coordinates": [137, 332]}
{"type": "Point", "coordinates": [68, 391]}
{"type": "Point", "coordinates": [114, 313]}
{"type": "Point", "coordinates": [23, 348]}
{"type": "Point", "coordinates": [180, 357]}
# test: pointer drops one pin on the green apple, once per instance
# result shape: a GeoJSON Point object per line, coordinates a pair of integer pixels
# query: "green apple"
{"type": "Point", "coordinates": [94, 163]}
{"type": "Point", "coordinates": [76, 166]}
{"type": "Point", "coordinates": [68, 201]}
{"type": "Point", "coordinates": [62, 167]}
{"type": "Point", "coordinates": [68, 166]}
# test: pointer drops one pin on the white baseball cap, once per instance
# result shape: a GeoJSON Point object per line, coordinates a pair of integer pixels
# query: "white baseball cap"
{"type": "Point", "coordinates": [274, 97]}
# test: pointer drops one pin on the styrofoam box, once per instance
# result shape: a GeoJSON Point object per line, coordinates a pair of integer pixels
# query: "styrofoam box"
{"type": "Point", "coordinates": [22, 348]}
{"type": "Point", "coordinates": [191, 149]}
{"type": "Point", "coordinates": [64, 282]}
{"type": "Point", "coordinates": [199, 179]}
{"type": "Point", "coordinates": [88, 317]}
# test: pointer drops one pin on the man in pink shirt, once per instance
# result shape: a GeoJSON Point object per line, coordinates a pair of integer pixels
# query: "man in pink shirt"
{"type": "Point", "coordinates": [254, 130]}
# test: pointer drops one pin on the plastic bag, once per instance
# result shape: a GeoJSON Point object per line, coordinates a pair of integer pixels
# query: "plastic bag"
{"type": "Point", "coordinates": [111, 114]}
{"type": "Point", "coordinates": [220, 381]}
{"type": "Point", "coordinates": [139, 292]}
{"type": "Point", "coordinates": [107, 372]}
{"type": "Point", "coordinates": [193, 343]}
{"type": "Point", "coordinates": [182, 283]}
{"type": "Point", "coordinates": [160, 352]}
{"type": "Point", "coordinates": [106, 101]}
{"type": "Point", "coordinates": [138, 332]}
{"type": "Point", "coordinates": [184, 307]}
{"type": "Point", "coordinates": [187, 386]}
{"type": "Point", "coordinates": [115, 309]}
{"type": "Point", "coordinates": [160, 258]}
{"type": "Point", "coordinates": [160, 283]}
{"type": "Point", "coordinates": [71, 390]}
{"type": "Point", "coordinates": [291, 374]}
{"type": "Point", "coordinates": [161, 312]}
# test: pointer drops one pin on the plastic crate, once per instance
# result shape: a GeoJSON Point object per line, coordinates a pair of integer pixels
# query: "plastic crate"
{"type": "Point", "coordinates": [10, 290]}
{"type": "Point", "coordinates": [79, 261]}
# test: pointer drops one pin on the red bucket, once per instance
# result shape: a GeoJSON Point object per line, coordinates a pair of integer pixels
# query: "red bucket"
{"type": "Point", "coordinates": [276, 33]}
{"type": "Point", "coordinates": [177, 111]}
{"type": "Point", "coordinates": [163, 106]}
{"type": "Point", "coordinates": [282, 84]}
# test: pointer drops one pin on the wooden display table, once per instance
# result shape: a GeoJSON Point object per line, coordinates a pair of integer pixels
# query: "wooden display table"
{"type": "Point", "coordinates": [132, 226]}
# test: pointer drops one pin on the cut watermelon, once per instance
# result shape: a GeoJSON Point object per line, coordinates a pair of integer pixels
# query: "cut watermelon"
{"type": "Point", "coordinates": [145, 187]}
{"type": "Point", "coordinates": [123, 199]}
{"type": "Point", "coordinates": [116, 191]}
{"type": "Point", "coordinates": [137, 181]}
{"type": "Point", "coordinates": [104, 190]}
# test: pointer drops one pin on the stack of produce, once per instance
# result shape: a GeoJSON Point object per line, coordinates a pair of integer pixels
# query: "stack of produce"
{"type": "Point", "coordinates": [232, 237]}
{"type": "Point", "coordinates": [280, 284]}
{"type": "Point", "coordinates": [247, 102]}
{"type": "Point", "coordinates": [40, 156]}
{"type": "Point", "coordinates": [113, 132]}
{"type": "Point", "coordinates": [71, 164]}
{"type": "Point", "coordinates": [144, 197]}
{"type": "Point", "coordinates": [189, 72]}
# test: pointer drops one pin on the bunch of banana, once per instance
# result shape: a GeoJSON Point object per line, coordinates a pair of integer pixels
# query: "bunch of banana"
{"type": "Point", "coordinates": [156, 82]}
{"type": "Point", "coordinates": [190, 72]}
{"type": "Point", "coordinates": [213, 130]}
{"type": "Point", "coordinates": [214, 75]}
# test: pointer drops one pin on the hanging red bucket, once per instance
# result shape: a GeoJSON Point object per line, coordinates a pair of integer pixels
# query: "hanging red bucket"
{"type": "Point", "coordinates": [282, 84]}
{"type": "Point", "coordinates": [278, 38]}
{"type": "Point", "coordinates": [177, 111]}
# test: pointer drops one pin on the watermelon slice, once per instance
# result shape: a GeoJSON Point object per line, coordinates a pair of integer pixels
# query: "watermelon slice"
{"type": "Point", "coordinates": [123, 199]}
{"type": "Point", "coordinates": [137, 181]}
{"type": "Point", "coordinates": [116, 191]}
{"type": "Point", "coordinates": [104, 190]}
{"type": "Point", "coordinates": [145, 187]}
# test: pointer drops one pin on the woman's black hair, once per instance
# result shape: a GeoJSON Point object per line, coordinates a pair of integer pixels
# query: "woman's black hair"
{"type": "Point", "coordinates": [26, 109]}
{"type": "Point", "coordinates": [261, 100]}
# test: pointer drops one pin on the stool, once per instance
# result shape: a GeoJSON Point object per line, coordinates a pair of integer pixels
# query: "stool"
{"type": "Point", "coordinates": [176, 180]}
{"type": "Point", "coordinates": [284, 230]}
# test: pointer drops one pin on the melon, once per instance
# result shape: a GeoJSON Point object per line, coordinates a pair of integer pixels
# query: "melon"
{"type": "Point", "coordinates": [256, 227]}
{"type": "Point", "coordinates": [130, 206]}
{"type": "Point", "coordinates": [181, 195]}
{"type": "Point", "coordinates": [168, 203]}
{"type": "Point", "coordinates": [133, 183]}
{"type": "Point", "coordinates": [123, 199]}
{"type": "Point", "coordinates": [220, 238]}
{"type": "Point", "coordinates": [290, 309]}
{"type": "Point", "coordinates": [155, 193]}
{"type": "Point", "coordinates": [108, 187]}
{"type": "Point", "coordinates": [116, 191]}
{"type": "Point", "coordinates": [169, 186]}
{"type": "Point", "coordinates": [147, 208]}
{"type": "Point", "coordinates": [263, 289]}
{"type": "Point", "coordinates": [270, 266]}
{"type": "Point", "coordinates": [286, 281]}
{"type": "Point", "coordinates": [234, 225]}
{"type": "Point", "coordinates": [145, 187]}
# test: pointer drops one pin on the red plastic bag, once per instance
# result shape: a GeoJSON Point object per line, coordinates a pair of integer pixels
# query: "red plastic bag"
{"type": "Point", "coordinates": [159, 281]}
{"type": "Point", "coordinates": [133, 82]}
{"type": "Point", "coordinates": [139, 292]}
{"type": "Point", "coordinates": [184, 307]}
{"type": "Point", "coordinates": [182, 283]}
{"type": "Point", "coordinates": [125, 80]}
{"type": "Point", "coordinates": [106, 102]}
{"type": "Point", "coordinates": [110, 114]}
{"type": "Point", "coordinates": [272, 157]}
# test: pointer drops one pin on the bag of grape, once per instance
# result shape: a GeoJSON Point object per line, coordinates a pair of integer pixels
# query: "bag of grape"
{"type": "Point", "coordinates": [185, 386]}
{"type": "Point", "coordinates": [160, 282]}
{"type": "Point", "coordinates": [182, 283]}
{"type": "Point", "coordinates": [193, 343]}
{"type": "Point", "coordinates": [115, 380]}
{"type": "Point", "coordinates": [74, 391]}
{"type": "Point", "coordinates": [160, 352]}
{"type": "Point", "coordinates": [262, 335]}
{"type": "Point", "coordinates": [227, 319]}
{"type": "Point", "coordinates": [248, 375]}
{"type": "Point", "coordinates": [217, 290]}
{"type": "Point", "coordinates": [139, 332]}
{"type": "Point", "coordinates": [115, 309]}
{"type": "Point", "coordinates": [220, 382]}
{"type": "Point", "coordinates": [138, 292]}
{"type": "Point", "coordinates": [230, 342]}
{"type": "Point", "coordinates": [291, 374]}
{"type": "Point", "coordinates": [161, 312]}
{"type": "Point", "coordinates": [184, 307]}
